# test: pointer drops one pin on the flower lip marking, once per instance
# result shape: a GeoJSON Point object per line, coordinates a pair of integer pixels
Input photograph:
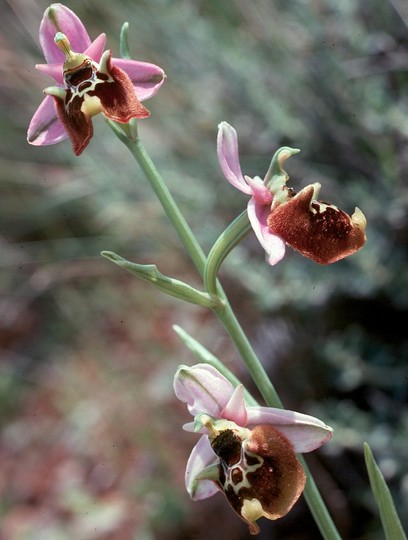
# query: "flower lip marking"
{"type": "Point", "coordinates": [77, 67]}
{"type": "Point", "coordinates": [258, 469]}
{"type": "Point", "coordinates": [81, 74]}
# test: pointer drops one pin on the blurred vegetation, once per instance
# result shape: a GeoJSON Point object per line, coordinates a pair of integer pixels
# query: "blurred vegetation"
{"type": "Point", "coordinates": [91, 445]}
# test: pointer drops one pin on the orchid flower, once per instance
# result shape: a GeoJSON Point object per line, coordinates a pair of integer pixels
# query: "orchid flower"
{"type": "Point", "coordinates": [278, 216]}
{"type": "Point", "coordinates": [247, 452]}
{"type": "Point", "coordinates": [88, 82]}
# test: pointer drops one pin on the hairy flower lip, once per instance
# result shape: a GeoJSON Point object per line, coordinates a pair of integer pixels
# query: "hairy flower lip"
{"type": "Point", "coordinates": [318, 230]}
{"type": "Point", "coordinates": [46, 127]}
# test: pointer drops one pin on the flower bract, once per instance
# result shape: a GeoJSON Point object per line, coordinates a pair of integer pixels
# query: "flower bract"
{"type": "Point", "coordinates": [247, 452]}
{"type": "Point", "coordinates": [88, 81]}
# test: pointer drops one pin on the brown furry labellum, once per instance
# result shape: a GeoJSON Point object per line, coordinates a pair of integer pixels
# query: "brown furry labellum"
{"type": "Point", "coordinates": [260, 475]}
{"type": "Point", "coordinates": [318, 230]}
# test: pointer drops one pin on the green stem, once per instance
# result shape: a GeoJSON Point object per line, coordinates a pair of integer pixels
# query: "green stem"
{"type": "Point", "coordinates": [225, 314]}
{"type": "Point", "coordinates": [226, 242]}
{"type": "Point", "coordinates": [166, 200]}
{"type": "Point", "coordinates": [317, 506]}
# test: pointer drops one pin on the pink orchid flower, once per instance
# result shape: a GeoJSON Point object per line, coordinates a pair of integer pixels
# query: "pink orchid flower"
{"type": "Point", "coordinates": [88, 81]}
{"type": "Point", "coordinates": [278, 216]}
{"type": "Point", "coordinates": [247, 452]}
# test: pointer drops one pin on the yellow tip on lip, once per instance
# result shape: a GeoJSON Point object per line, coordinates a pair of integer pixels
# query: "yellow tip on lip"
{"type": "Point", "coordinates": [359, 219]}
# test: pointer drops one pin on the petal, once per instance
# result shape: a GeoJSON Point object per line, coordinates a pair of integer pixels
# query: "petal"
{"type": "Point", "coordinates": [273, 244]}
{"type": "Point", "coordinates": [146, 78]}
{"type": "Point", "coordinates": [235, 409]}
{"type": "Point", "coordinates": [52, 70]}
{"type": "Point", "coordinates": [96, 48]}
{"type": "Point", "coordinates": [305, 432]}
{"type": "Point", "coordinates": [203, 388]}
{"type": "Point", "coordinates": [227, 151]}
{"type": "Point", "coordinates": [45, 128]}
{"type": "Point", "coordinates": [260, 192]}
{"type": "Point", "coordinates": [201, 457]}
{"type": "Point", "coordinates": [59, 18]}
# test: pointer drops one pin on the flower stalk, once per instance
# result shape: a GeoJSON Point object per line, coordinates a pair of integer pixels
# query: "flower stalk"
{"type": "Point", "coordinates": [231, 237]}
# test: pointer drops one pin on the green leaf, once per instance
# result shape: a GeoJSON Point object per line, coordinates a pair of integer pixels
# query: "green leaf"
{"type": "Point", "coordinates": [389, 517]}
{"type": "Point", "coordinates": [173, 287]}
{"type": "Point", "coordinates": [124, 41]}
{"type": "Point", "coordinates": [205, 356]}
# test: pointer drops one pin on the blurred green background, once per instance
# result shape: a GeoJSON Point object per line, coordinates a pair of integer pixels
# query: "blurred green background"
{"type": "Point", "coordinates": [91, 442]}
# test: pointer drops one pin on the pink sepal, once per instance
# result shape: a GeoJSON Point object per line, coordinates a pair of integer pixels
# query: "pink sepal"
{"type": "Point", "coordinates": [201, 457]}
{"type": "Point", "coordinates": [203, 388]}
{"type": "Point", "coordinates": [59, 18]}
{"type": "Point", "coordinates": [273, 244]}
{"type": "Point", "coordinates": [227, 151]}
{"type": "Point", "coordinates": [146, 78]}
{"type": "Point", "coordinates": [45, 128]}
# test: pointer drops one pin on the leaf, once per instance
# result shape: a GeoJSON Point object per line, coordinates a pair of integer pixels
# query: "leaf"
{"type": "Point", "coordinates": [173, 287]}
{"type": "Point", "coordinates": [389, 517]}
{"type": "Point", "coordinates": [204, 355]}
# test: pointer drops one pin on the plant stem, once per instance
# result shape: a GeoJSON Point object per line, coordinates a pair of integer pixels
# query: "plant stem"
{"type": "Point", "coordinates": [170, 207]}
{"type": "Point", "coordinates": [226, 242]}
{"type": "Point", "coordinates": [317, 506]}
{"type": "Point", "coordinates": [225, 314]}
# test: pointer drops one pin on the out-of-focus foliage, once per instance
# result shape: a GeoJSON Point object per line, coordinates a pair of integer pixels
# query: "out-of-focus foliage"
{"type": "Point", "coordinates": [91, 445]}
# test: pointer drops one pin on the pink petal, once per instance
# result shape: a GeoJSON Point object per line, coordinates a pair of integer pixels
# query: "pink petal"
{"type": "Point", "coordinates": [201, 457]}
{"type": "Point", "coordinates": [203, 388]}
{"type": "Point", "coordinates": [260, 192]}
{"type": "Point", "coordinates": [305, 432]}
{"type": "Point", "coordinates": [45, 128]}
{"type": "Point", "coordinates": [273, 244]}
{"type": "Point", "coordinates": [146, 78]}
{"type": "Point", "coordinates": [227, 151]}
{"type": "Point", "coordinates": [96, 48]}
{"type": "Point", "coordinates": [52, 70]}
{"type": "Point", "coordinates": [59, 18]}
{"type": "Point", "coordinates": [235, 409]}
